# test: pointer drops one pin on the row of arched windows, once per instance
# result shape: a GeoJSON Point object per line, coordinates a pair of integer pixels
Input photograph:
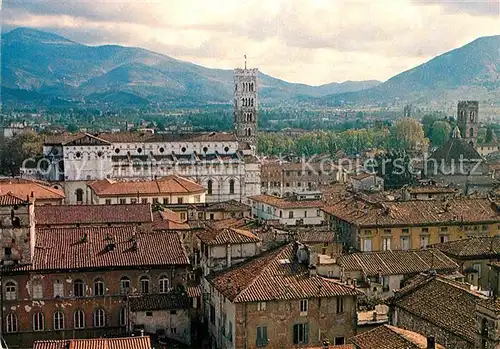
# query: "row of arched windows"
{"type": "Point", "coordinates": [59, 320]}
{"type": "Point", "coordinates": [248, 86]}
{"type": "Point", "coordinates": [248, 117]}
{"type": "Point", "coordinates": [232, 186]}
{"type": "Point", "coordinates": [247, 102]}
{"type": "Point", "coordinates": [10, 289]}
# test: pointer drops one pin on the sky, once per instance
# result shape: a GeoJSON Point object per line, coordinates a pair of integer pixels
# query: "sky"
{"type": "Point", "coordinates": [308, 41]}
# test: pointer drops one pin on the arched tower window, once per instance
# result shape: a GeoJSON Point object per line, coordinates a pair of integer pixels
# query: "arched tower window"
{"type": "Point", "coordinates": [78, 319]}
{"type": "Point", "coordinates": [210, 187]}
{"type": "Point", "coordinates": [11, 323]}
{"type": "Point", "coordinates": [231, 186]}
{"type": "Point", "coordinates": [79, 195]}
{"type": "Point", "coordinates": [249, 132]}
{"type": "Point", "coordinates": [471, 132]}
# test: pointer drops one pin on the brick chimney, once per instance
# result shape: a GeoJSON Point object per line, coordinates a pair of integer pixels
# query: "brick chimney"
{"type": "Point", "coordinates": [431, 342]}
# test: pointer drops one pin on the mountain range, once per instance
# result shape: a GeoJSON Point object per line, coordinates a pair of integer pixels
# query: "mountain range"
{"type": "Point", "coordinates": [38, 67]}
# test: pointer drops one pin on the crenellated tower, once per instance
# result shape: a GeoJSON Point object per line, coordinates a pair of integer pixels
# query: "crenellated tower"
{"type": "Point", "coordinates": [246, 104]}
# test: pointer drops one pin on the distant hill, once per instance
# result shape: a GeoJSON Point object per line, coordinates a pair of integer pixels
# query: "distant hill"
{"type": "Point", "coordinates": [38, 67]}
{"type": "Point", "coordinates": [471, 71]}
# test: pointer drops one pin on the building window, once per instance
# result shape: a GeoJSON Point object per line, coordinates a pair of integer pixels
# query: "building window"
{"type": "Point", "coordinates": [231, 186]}
{"type": "Point", "coordinates": [443, 238]}
{"type": "Point", "coordinates": [290, 214]}
{"type": "Point", "coordinates": [180, 200]}
{"type": "Point", "coordinates": [11, 323]}
{"type": "Point", "coordinates": [133, 201]}
{"type": "Point", "coordinates": [405, 243]}
{"type": "Point", "coordinates": [182, 216]}
{"type": "Point", "coordinates": [386, 244]}
{"type": "Point", "coordinates": [209, 187]}
{"type": "Point", "coordinates": [261, 306]}
{"type": "Point", "coordinates": [123, 317]}
{"type": "Point", "coordinates": [37, 290]}
{"type": "Point", "coordinates": [79, 196]}
{"type": "Point", "coordinates": [164, 284]}
{"type": "Point", "coordinates": [98, 287]}
{"type": "Point", "coordinates": [300, 333]}
{"type": "Point", "coordinates": [99, 318]}
{"type": "Point", "coordinates": [58, 289]}
{"type": "Point", "coordinates": [425, 230]}
{"type": "Point", "coordinates": [79, 319]}
{"type": "Point", "coordinates": [197, 199]}
{"type": "Point", "coordinates": [108, 201]}
{"type": "Point", "coordinates": [165, 201]}
{"type": "Point", "coordinates": [38, 322]}
{"type": "Point", "coordinates": [144, 201]}
{"type": "Point", "coordinates": [144, 282]}
{"type": "Point", "coordinates": [123, 201]}
{"type": "Point", "coordinates": [303, 306]}
{"type": "Point", "coordinates": [367, 245]}
{"type": "Point", "coordinates": [10, 291]}
{"type": "Point", "coordinates": [340, 305]}
{"type": "Point", "coordinates": [477, 267]}
{"type": "Point", "coordinates": [339, 341]}
{"type": "Point", "coordinates": [262, 339]}
{"type": "Point", "coordinates": [318, 213]}
{"type": "Point", "coordinates": [124, 285]}
{"type": "Point", "coordinates": [424, 241]}
{"type": "Point", "coordinates": [78, 288]}
{"type": "Point", "coordinates": [212, 314]}
{"type": "Point", "coordinates": [58, 320]}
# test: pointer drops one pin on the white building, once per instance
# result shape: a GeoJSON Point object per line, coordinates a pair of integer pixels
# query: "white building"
{"type": "Point", "coordinates": [224, 163]}
{"type": "Point", "coordinates": [302, 208]}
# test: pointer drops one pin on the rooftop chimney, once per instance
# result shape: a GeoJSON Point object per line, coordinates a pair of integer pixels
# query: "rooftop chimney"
{"type": "Point", "coordinates": [326, 344]}
{"type": "Point", "coordinates": [431, 342]}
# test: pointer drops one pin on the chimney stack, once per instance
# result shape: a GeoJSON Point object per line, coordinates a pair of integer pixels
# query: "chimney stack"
{"type": "Point", "coordinates": [326, 344]}
{"type": "Point", "coordinates": [431, 342]}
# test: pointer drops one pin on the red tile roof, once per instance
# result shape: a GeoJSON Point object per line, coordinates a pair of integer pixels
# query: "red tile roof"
{"type": "Point", "coordinates": [471, 248]}
{"type": "Point", "coordinates": [286, 202]}
{"type": "Point", "coordinates": [455, 211]}
{"type": "Point", "coordinates": [129, 137]}
{"type": "Point", "coordinates": [163, 301]}
{"type": "Point", "coordinates": [80, 248]}
{"type": "Point", "coordinates": [446, 304]}
{"type": "Point", "coordinates": [92, 214]}
{"type": "Point", "coordinates": [10, 199]}
{"type": "Point", "coordinates": [169, 220]}
{"type": "Point", "coordinates": [390, 337]}
{"type": "Point", "coordinates": [275, 275]}
{"type": "Point", "coordinates": [98, 343]}
{"type": "Point", "coordinates": [397, 262]}
{"type": "Point", "coordinates": [164, 186]}
{"type": "Point", "coordinates": [24, 190]}
{"type": "Point", "coordinates": [228, 206]}
{"type": "Point", "coordinates": [223, 236]}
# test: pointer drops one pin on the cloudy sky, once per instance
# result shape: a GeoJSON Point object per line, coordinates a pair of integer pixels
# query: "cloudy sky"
{"type": "Point", "coordinates": [309, 41]}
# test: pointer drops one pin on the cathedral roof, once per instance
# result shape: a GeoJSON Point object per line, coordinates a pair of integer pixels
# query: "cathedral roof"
{"type": "Point", "coordinates": [454, 149]}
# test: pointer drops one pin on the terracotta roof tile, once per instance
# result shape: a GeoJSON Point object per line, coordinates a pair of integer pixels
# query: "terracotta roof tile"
{"type": "Point", "coordinates": [432, 190]}
{"type": "Point", "coordinates": [164, 186]}
{"type": "Point", "coordinates": [472, 247]}
{"type": "Point", "coordinates": [455, 211]}
{"type": "Point", "coordinates": [444, 303]}
{"type": "Point", "coordinates": [227, 236]}
{"type": "Point", "coordinates": [194, 291]}
{"type": "Point", "coordinates": [274, 275]}
{"type": "Point", "coordinates": [397, 262]}
{"type": "Point", "coordinates": [286, 202]}
{"type": "Point", "coordinates": [390, 337]}
{"type": "Point", "coordinates": [165, 301]}
{"type": "Point", "coordinates": [133, 137]}
{"type": "Point", "coordinates": [228, 206]}
{"type": "Point", "coordinates": [80, 248]}
{"type": "Point", "coordinates": [24, 190]}
{"type": "Point", "coordinates": [92, 214]}
{"type": "Point", "coordinates": [169, 220]}
{"type": "Point", "coordinates": [10, 199]}
{"type": "Point", "coordinates": [98, 343]}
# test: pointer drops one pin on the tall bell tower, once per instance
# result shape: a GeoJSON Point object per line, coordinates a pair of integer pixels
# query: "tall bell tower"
{"type": "Point", "coordinates": [468, 120]}
{"type": "Point", "coordinates": [246, 104]}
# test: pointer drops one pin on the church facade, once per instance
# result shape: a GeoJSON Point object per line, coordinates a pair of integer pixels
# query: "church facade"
{"type": "Point", "coordinates": [224, 163]}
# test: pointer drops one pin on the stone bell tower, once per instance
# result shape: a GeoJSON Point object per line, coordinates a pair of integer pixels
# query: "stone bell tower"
{"type": "Point", "coordinates": [246, 104]}
{"type": "Point", "coordinates": [468, 120]}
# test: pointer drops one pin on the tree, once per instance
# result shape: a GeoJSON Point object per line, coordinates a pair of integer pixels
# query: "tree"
{"type": "Point", "coordinates": [14, 151]}
{"type": "Point", "coordinates": [489, 135]}
{"type": "Point", "coordinates": [395, 168]}
{"type": "Point", "coordinates": [440, 132]}
{"type": "Point", "coordinates": [72, 128]}
{"type": "Point", "coordinates": [408, 134]}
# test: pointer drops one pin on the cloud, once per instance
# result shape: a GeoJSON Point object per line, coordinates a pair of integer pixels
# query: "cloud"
{"type": "Point", "coordinates": [311, 41]}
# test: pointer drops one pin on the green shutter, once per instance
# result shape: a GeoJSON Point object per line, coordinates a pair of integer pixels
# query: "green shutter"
{"type": "Point", "coordinates": [306, 333]}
